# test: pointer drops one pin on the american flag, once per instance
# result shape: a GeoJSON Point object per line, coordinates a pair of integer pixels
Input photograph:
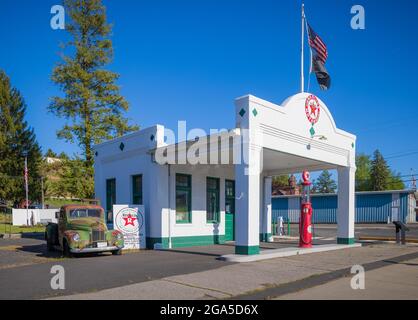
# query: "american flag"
{"type": "Point", "coordinates": [316, 43]}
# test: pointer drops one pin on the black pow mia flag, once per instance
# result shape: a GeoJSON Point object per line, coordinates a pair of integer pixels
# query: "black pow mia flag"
{"type": "Point", "coordinates": [322, 75]}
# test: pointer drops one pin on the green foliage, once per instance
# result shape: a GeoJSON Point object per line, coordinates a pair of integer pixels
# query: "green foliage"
{"type": "Point", "coordinates": [379, 172]}
{"type": "Point", "coordinates": [363, 164]}
{"type": "Point", "coordinates": [76, 179]}
{"type": "Point", "coordinates": [396, 182]}
{"type": "Point", "coordinates": [16, 138]}
{"type": "Point", "coordinates": [51, 154]}
{"type": "Point", "coordinates": [281, 181]}
{"type": "Point", "coordinates": [325, 183]}
{"type": "Point", "coordinates": [68, 178]}
{"type": "Point", "coordinates": [381, 177]}
{"type": "Point", "coordinates": [91, 103]}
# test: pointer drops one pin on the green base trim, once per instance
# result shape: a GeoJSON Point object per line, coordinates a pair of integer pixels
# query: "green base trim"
{"type": "Point", "coordinates": [178, 242]}
{"type": "Point", "coordinates": [265, 237]}
{"type": "Point", "coordinates": [247, 250]}
{"type": "Point", "coordinates": [150, 242]}
{"type": "Point", "coordinates": [346, 240]}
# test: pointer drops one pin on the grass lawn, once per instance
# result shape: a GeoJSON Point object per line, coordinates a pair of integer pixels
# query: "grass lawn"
{"type": "Point", "coordinates": [5, 218]}
{"type": "Point", "coordinates": [7, 228]}
{"type": "Point", "coordinates": [58, 203]}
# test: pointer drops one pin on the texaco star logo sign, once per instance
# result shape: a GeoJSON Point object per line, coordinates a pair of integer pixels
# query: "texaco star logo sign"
{"type": "Point", "coordinates": [128, 220]}
{"type": "Point", "coordinates": [312, 109]}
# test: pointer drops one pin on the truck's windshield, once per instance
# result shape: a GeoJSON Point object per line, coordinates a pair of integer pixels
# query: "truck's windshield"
{"type": "Point", "coordinates": [84, 213]}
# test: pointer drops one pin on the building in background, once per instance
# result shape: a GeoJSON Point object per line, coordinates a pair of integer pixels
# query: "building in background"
{"type": "Point", "coordinates": [370, 207]}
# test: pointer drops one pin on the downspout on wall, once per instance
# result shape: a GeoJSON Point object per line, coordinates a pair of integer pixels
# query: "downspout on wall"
{"type": "Point", "coordinates": [169, 206]}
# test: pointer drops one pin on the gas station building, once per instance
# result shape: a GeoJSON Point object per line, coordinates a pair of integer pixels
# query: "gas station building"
{"type": "Point", "coordinates": [189, 203]}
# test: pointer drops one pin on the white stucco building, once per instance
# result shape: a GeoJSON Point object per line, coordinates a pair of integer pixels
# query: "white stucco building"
{"type": "Point", "coordinates": [205, 203]}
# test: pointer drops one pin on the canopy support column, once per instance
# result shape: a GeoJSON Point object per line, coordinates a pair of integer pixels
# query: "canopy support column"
{"type": "Point", "coordinates": [266, 234]}
{"type": "Point", "coordinates": [346, 209]}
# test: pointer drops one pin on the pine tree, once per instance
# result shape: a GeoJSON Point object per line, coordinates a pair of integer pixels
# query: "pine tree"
{"type": "Point", "coordinates": [16, 138]}
{"type": "Point", "coordinates": [380, 174]}
{"type": "Point", "coordinates": [325, 183]}
{"type": "Point", "coordinates": [92, 104]}
{"type": "Point", "coordinates": [50, 154]}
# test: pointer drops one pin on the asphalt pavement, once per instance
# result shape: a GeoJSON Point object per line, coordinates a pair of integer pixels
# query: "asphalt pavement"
{"type": "Point", "coordinates": [25, 264]}
{"type": "Point", "coordinates": [25, 269]}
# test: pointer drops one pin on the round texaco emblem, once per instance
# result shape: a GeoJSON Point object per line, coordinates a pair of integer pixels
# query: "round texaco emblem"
{"type": "Point", "coordinates": [312, 109]}
{"type": "Point", "coordinates": [128, 220]}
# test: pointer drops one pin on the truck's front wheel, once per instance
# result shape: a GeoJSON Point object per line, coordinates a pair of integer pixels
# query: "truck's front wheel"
{"type": "Point", "coordinates": [66, 250]}
{"type": "Point", "coordinates": [49, 245]}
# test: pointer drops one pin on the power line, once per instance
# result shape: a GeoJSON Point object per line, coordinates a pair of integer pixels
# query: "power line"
{"type": "Point", "coordinates": [401, 155]}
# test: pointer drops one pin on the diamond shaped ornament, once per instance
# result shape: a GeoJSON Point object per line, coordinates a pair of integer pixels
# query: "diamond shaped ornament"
{"type": "Point", "coordinates": [242, 112]}
{"type": "Point", "coordinates": [312, 131]}
{"type": "Point", "coordinates": [255, 112]}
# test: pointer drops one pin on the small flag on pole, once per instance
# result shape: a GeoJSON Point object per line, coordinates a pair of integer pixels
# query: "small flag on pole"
{"type": "Point", "coordinates": [319, 57]}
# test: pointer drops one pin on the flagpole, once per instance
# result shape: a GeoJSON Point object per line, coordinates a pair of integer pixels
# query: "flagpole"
{"type": "Point", "coordinates": [26, 189]}
{"type": "Point", "coordinates": [302, 80]}
{"type": "Point", "coordinates": [310, 52]}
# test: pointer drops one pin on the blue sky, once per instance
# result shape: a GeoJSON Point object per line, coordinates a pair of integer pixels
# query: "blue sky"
{"type": "Point", "coordinates": [188, 60]}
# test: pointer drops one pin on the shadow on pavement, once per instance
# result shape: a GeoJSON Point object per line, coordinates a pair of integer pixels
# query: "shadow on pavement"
{"type": "Point", "coordinates": [33, 235]}
{"type": "Point", "coordinates": [40, 250]}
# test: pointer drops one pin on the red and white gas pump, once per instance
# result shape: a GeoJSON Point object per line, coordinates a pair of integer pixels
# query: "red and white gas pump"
{"type": "Point", "coordinates": [305, 223]}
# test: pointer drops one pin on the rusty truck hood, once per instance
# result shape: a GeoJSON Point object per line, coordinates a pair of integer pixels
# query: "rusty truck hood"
{"type": "Point", "coordinates": [87, 224]}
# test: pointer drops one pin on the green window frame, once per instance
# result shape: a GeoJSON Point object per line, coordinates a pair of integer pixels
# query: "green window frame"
{"type": "Point", "coordinates": [183, 198]}
{"type": "Point", "coordinates": [110, 198]}
{"type": "Point", "coordinates": [212, 200]}
{"type": "Point", "coordinates": [230, 196]}
{"type": "Point", "coordinates": [137, 189]}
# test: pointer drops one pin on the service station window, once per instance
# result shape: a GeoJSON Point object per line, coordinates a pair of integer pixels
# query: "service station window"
{"type": "Point", "coordinates": [229, 196]}
{"type": "Point", "coordinates": [183, 198]}
{"type": "Point", "coordinates": [110, 198]}
{"type": "Point", "coordinates": [137, 189]}
{"type": "Point", "coordinates": [212, 200]}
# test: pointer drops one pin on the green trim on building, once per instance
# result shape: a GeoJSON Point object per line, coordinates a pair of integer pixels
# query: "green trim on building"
{"type": "Point", "coordinates": [178, 242]}
{"type": "Point", "coordinates": [264, 237]}
{"type": "Point", "coordinates": [247, 250]}
{"type": "Point", "coordinates": [346, 240]}
{"type": "Point", "coordinates": [151, 241]}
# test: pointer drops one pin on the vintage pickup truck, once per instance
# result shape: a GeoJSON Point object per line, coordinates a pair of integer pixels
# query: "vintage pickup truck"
{"type": "Point", "coordinates": [82, 229]}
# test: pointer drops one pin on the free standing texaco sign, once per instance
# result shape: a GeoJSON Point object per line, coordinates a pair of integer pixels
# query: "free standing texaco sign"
{"type": "Point", "coordinates": [312, 109]}
{"type": "Point", "coordinates": [130, 220]}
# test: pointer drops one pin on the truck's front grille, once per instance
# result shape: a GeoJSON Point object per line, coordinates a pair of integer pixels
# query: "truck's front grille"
{"type": "Point", "coordinates": [98, 236]}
